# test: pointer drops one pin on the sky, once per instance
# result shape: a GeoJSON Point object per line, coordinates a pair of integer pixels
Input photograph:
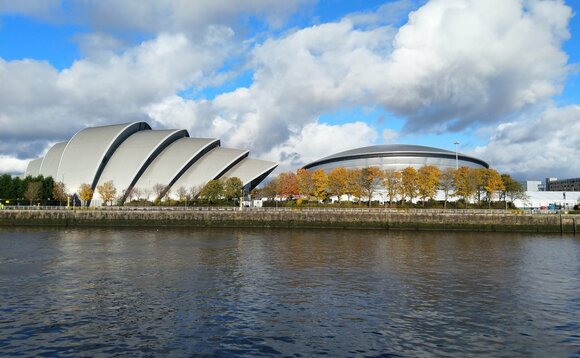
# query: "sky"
{"type": "Point", "coordinates": [297, 80]}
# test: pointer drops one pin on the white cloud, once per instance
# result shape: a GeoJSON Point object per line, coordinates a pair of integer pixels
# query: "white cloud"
{"type": "Point", "coordinates": [390, 136]}
{"type": "Point", "coordinates": [12, 165]}
{"type": "Point", "coordinates": [455, 64]}
{"type": "Point", "coordinates": [98, 90]}
{"type": "Point", "coordinates": [316, 140]}
{"type": "Point", "coordinates": [539, 146]}
{"type": "Point", "coordinates": [155, 16]}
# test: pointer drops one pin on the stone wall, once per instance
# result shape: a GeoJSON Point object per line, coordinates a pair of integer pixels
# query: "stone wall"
{"type": "Point", "coordinates": [359, 219]}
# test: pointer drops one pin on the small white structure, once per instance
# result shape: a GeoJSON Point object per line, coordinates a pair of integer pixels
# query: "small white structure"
{"type": "Point", "coordinates": [545, 199]}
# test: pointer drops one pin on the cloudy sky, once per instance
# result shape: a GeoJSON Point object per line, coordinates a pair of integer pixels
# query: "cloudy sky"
{"type": "Point", "coordinates": [297, 80]}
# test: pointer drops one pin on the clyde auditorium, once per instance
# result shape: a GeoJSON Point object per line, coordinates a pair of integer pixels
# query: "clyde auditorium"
{"type": "Point", "coordinates": [397, 157]}
{"type": "Point", "coordinates": [132, 155]}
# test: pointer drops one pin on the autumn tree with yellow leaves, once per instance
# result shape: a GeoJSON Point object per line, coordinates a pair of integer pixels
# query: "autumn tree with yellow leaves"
{"type": "Point", "coordinates": [428, 182]}
{"type": "Point", "coordinates": [305, 183]}
{"type": "Point", "coordinates": [446, 183]}
{"type": "Point", "coordinates": [465, 183]}
{"type": "Point", "coordinates": [107, 191]}
{"type": "Point", "coordinates": [353, 188]}
{"type": "Point", "coordinates": [392, 184]}
{"type": "Point", "coordinates": [338, 182]}
{"type": "Point", "coordinates": [320, 180]}
{"type": "Point", "coordinates": [369, 179]}
{"type": "Point", "coordinates": [409, 183]}
{"type": "Point", "coordinates": [85, 193]}
{"type": "Point", "coordinates": [493, 185]}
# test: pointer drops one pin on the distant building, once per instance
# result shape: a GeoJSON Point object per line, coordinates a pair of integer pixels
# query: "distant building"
{"type": "Point", "coordinates": [534, 185]}
{"type": "Point", "coordinates": [134, 156]}
{"type": "Point", "coordinates": [553, 184]}
{"type": "Point", "coordinates": [397, 157]}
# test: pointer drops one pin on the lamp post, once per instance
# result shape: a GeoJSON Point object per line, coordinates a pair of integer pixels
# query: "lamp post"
{"type": "Point", "coordinates": [456, 155]}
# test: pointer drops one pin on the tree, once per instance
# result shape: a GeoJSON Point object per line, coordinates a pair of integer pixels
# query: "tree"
{"type": "Point", "coordinates": [33, 191]}
{"type": "Point", "coordinates": [320, 180]}
{"type": "Point", "coordinates": [409, 183]}
{"type": "Point", "coordinates": [465, 183]}
{"type": "Point", "coordinates": [493, 185]}
{"type": "Point", "coordinates": [158, 190]}
{"type": "Point", "coordinates": [287, 185]}
{"type": "Point", "coordinates": [479, 176]}
{"type": "Point", "coordinates": [446, 183]}
{"type": "Point", "coordinates": [392, 184]}
{"type": "Point", "coordinates": [338, 182]}
{"type": "Point", "coordinates": [305, 183]}
{"type": "Point", "coordinates": [138, 192]}
{"type": "Point", "coordinates": [233, 188]}
{"type": "Point", "coordinates": [512, 189]}
{"type": "Point", "coordinates": [353, 188]}
{"type": "Point", "coordinates": [146, 192]}
{"type": "Point", "coordinates": [427, 182]}
{"type": "Point", "coordinates": [107, 191]}
{"type": "Point", "coordinates": [181, 193]}
{"type": "Point", "coordinates": [270, 190]}
{"type": "Point", "coordinates": [369, 179]}
{"type": "Point", "coordinates": [86, 193]}
{"type": "Point", "coordinates": [212, 191]}
{"type": "Point", "coordinates": [59, 192]}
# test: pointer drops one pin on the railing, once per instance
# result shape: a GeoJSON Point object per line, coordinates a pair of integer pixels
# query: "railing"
{"type": "Point", "coordinates": [273, 209]}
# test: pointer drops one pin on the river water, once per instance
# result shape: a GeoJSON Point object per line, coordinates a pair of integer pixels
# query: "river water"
{"type": "Point", "coordinates": [228, 292]}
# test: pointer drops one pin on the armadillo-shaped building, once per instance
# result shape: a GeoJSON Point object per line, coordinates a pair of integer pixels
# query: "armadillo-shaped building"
{"type": "Point", "coordinates": [132, 155]}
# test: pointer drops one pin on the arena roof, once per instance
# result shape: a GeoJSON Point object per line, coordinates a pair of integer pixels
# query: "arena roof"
{"type": "Point", "coordinates": [393, 150]}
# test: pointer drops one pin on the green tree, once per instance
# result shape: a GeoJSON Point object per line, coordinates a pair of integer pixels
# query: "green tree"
{"type": "Point", "coordinates": [33, 191]}
{"type": "Point", "coordinates": [59, 192]}
{"type": "Point", "coordinates": [513, 190]}
{"type": "Point", "coordinates": [212, 191]}
{"type": "Point", "coordinates": [233, 188]}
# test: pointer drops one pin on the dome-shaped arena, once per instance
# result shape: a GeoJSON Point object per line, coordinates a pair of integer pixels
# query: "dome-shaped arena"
{"type": "Point", "coordinates": [397, 157]}
{"type": "Point", "coordinates": [132, 155]}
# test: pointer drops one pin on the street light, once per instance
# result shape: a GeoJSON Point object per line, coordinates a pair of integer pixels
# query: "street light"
{"type": "Point", "coordinates": [456, 155]}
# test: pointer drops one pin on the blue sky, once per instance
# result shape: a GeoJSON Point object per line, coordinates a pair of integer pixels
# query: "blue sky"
{"type": "Point", "coordinates": [302, 80]}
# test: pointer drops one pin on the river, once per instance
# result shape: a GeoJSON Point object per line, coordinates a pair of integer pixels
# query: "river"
{"type": "Point", "coordinates": [228, 292]}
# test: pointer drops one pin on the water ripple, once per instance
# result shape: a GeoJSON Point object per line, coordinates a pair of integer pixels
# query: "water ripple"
{"type": "Point", "coordinates": [287, 293]}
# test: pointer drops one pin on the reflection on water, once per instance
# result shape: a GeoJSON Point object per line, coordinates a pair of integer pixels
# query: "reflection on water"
{"type": "Point", "coordinates": [266, 292]}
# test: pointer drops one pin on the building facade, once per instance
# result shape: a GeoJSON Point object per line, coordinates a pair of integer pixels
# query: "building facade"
{"type": "Point", "coordinates": [134, 156]}
{"type": "Point", "coordinates": [396, 157]}
{"type": "Point", "coordinates": [553, 184]}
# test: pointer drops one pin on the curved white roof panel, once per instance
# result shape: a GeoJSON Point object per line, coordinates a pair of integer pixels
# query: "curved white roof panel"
{"type": "Point", "coordinates": [249, 170]}
{"type": "Point", "coordinates": [168, 166]}
{"type": "Point", "coordinates": [211, 166]}
{"type": "Point", "coordinates": [88, 151]}
{"type": "Point", "coordinates": [134, 155]}
{"type": "Point", "coordinates": [49, 166]}
{"type": "Point", "coordinates": [33, 167]}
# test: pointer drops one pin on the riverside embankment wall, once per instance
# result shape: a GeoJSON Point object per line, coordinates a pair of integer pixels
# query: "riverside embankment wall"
{"type": "Point", "coordinates": [355, 219]}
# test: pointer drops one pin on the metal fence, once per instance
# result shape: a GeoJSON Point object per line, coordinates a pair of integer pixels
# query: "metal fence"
{"type": "Point", "coordinates": [272, 209]}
